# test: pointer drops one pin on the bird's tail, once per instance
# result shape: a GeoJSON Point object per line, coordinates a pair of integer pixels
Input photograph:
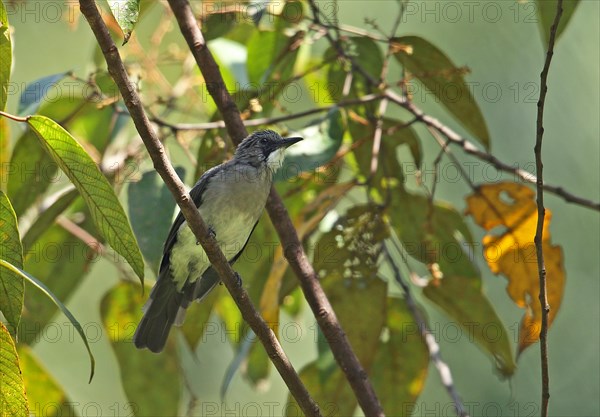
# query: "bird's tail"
{"type": "Point", "coordinates": [160, 312]}
{"type": "Point", "coordinates": [166, 306]}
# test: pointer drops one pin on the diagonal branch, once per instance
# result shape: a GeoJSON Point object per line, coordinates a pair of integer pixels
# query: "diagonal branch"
{"type": "Point", "coordinates": [471, 149]}
{"type": "Point", "coordinates": [432, 346]}
{"type": "Point", "coordinates": [539, 231]}
{"type": "Point", "coordinates": [219, 124]}
{"type": "Point", "coordinates": [454, 138]}
{"type": "Point", "coordinates": [294, 252]}
{"type": "Point", "coordinates": [188, 208]}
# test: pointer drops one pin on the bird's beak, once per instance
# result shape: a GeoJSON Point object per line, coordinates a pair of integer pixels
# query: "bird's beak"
{"type": "Point", "coordinates": [287, 142]}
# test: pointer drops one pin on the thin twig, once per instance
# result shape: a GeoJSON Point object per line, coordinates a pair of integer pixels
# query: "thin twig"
{"type": "Point", "coordinates": [436, 163]}
{"type": "Point", "coordinates": [293, 250]}
{"type": "Point", "coordinates": [454, 137]}
{"type": "Point", "coordinates": [464, 174]}
{"type": "Point", "coordinates": [377, 138]}
{"type": "Point", "coordinates": [95, 245]}
{"type": "Point", "coordinates": [348, 29]}
{"type": "Point", "coordinates": [13, 117]}
{"type": "Point", "coordinates": [220, 124]}
{"type": "Point", "coordinates": [383, 103]}
{"type": "Point", "coordinates": [432, 346]}
{"type": "Point", "coordinates": [539, 231]}
{"type": "Point", "coordinates": [190, 212]}
{"type": "Point", "coordinates": [338, 47]}
{"type": "Point", "coordinates": [471, 149]}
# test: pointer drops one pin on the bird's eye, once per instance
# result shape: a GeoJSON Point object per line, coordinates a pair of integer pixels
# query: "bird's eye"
{"type": "Point", "coordinates": [263, 141]}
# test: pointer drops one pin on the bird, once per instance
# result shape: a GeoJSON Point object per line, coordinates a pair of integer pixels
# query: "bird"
{"type": "Point", "coordinates": [230, 198]}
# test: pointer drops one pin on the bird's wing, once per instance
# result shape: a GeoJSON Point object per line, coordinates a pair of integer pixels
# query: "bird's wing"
{"type": "Point", "coordinates": [196, 193]}
{"type": "Point", "coordinates": [210, 277]}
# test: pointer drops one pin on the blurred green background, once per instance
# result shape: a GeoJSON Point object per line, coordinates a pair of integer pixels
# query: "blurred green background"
{"type": "Point", "coordinates": [500, 42]}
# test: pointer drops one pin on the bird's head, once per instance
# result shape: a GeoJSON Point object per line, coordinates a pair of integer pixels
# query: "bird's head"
{"type": "Point", "coordinates": [264, 147]}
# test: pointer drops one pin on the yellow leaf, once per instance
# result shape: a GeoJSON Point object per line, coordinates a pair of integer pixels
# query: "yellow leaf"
{"type": "Point", "coordinates": [512, 252]}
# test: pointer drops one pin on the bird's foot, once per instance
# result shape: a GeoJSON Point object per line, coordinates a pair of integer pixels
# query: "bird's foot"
{"type": "Point", "coordinates": [238, 279]}
{"type": "Point", "coordinates": [212, 234]}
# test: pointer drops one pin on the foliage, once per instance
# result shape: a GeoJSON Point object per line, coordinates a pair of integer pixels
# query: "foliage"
{"type": "Point", "coordinates": [512, 253]}
{"type": "Point", "coordinates": [347, 194]}
{"type": "Point", "coordinates": [434, 69]}
{"type": "Point", "coordinates": [149, 394]}
{"type": "Point", "coordinates": [13, 401]}
{"type": "Point", "coordinates": [11, 295]}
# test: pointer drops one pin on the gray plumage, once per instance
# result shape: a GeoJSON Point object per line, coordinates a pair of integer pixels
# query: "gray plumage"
{"type": "Point", "coordinates": [230, 198]}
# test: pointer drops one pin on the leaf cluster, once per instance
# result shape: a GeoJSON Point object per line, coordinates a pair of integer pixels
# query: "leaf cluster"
{"type": "Point", "coordinates": [345, 187]}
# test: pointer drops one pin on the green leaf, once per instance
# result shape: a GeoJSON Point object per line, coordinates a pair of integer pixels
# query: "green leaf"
{"type": "Point", "coordinates": [197, 317]}
{"type": "Point", "coordinates": [11, 285]}
{"type": "Point", "coordinates": [97, 126]}
{"type": "Point", "coordinates": [433, 237]}
{"type": "Point", "coordinates": [389, 170]}
{"type": "Point", "coordinates": [6, 54]}
{"type": "Point", "coordinates": [370, 57]}
{"type": "Point", "coordinates": [346, 260]}
{"type": "Point", "coordinates": [439, 75]}
{"type": "Point", "coordinates": [399, 134]}
{"type": "Point", "coordinates": [151, 382]}
{"type": "Point", "coordinates": [462, 298]}
{"type": "Point", "coordinates": [546, 10]}
{"type": "Point", "coordinates": [230, 315]}
{"type": "Point", "coordinates": [333, 395]}
{"type": "Point", "coordinates": [400, 367]}
{"type": "Point", "coordinates": [35, 92]}
{"type": "Point", "coordinates": [24, 275]}
{"type": "Point", "coordinates": [151, 222]}
{"type": "Point", "coordinates": [44, 394]}
{"type": "Point", "coordinates": [105, 209]}
{"type": "Point", "coordinates": [256, 261]}
{"type": "Point", "coordinates": [292, 14]}
{"type": "Point", "coordinates": [259, 366]}
{"type": "Point", "coordinates": [13, 401]}
{"type": "Point", "coordinates": [31, 172]}
{"type": "Point", "coordinates": [60, 261]}
{"type": "Point", "coordinates": [241, 32]}
{"type": "Point", "coordinates": [316, 82]}
{"type": "Point", "coordinates": [322, 139]}
{"type": "Point", "coordinates": [4, 153]}
{"type": "Point", "coordinates": [368, 53]}
{"type": "Point", "coordinates": [46, 219]}
{"type": "Point", "coordinates": [5, 66]}
{"type": "Point", "coordinates": [271, 57]}
{"type": "Point", "coordinates": [432, 234]}
{"type": "Point", "coordinates": [254, 266]}
{"type": "Point", "coordinates": [126, 12]}
{"type": "Point", "coordinates": [67, 107]}
{"type": "Point", "coordinates": [216, 25]}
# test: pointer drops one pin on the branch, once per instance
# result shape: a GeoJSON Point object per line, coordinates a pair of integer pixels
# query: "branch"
{"type": "Point", "coordinates": [267, 120]}
{"type": "Point", "coordinates": [539, 231]}
{"type": "Point", "coordinates": [432, 346]}
{"type": "Point", "coordinates": [450, 134]}
{"type": "Point", "coordinates": [377, 138]}
{"type": "Point", "coordinates": [294, 252]}
{"type": "Point", "coordinates": [338, 47]}
{"type": "Point", "coordinates": [190, 212]}
{"type": "Point", "coordinates": [471, 149]}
